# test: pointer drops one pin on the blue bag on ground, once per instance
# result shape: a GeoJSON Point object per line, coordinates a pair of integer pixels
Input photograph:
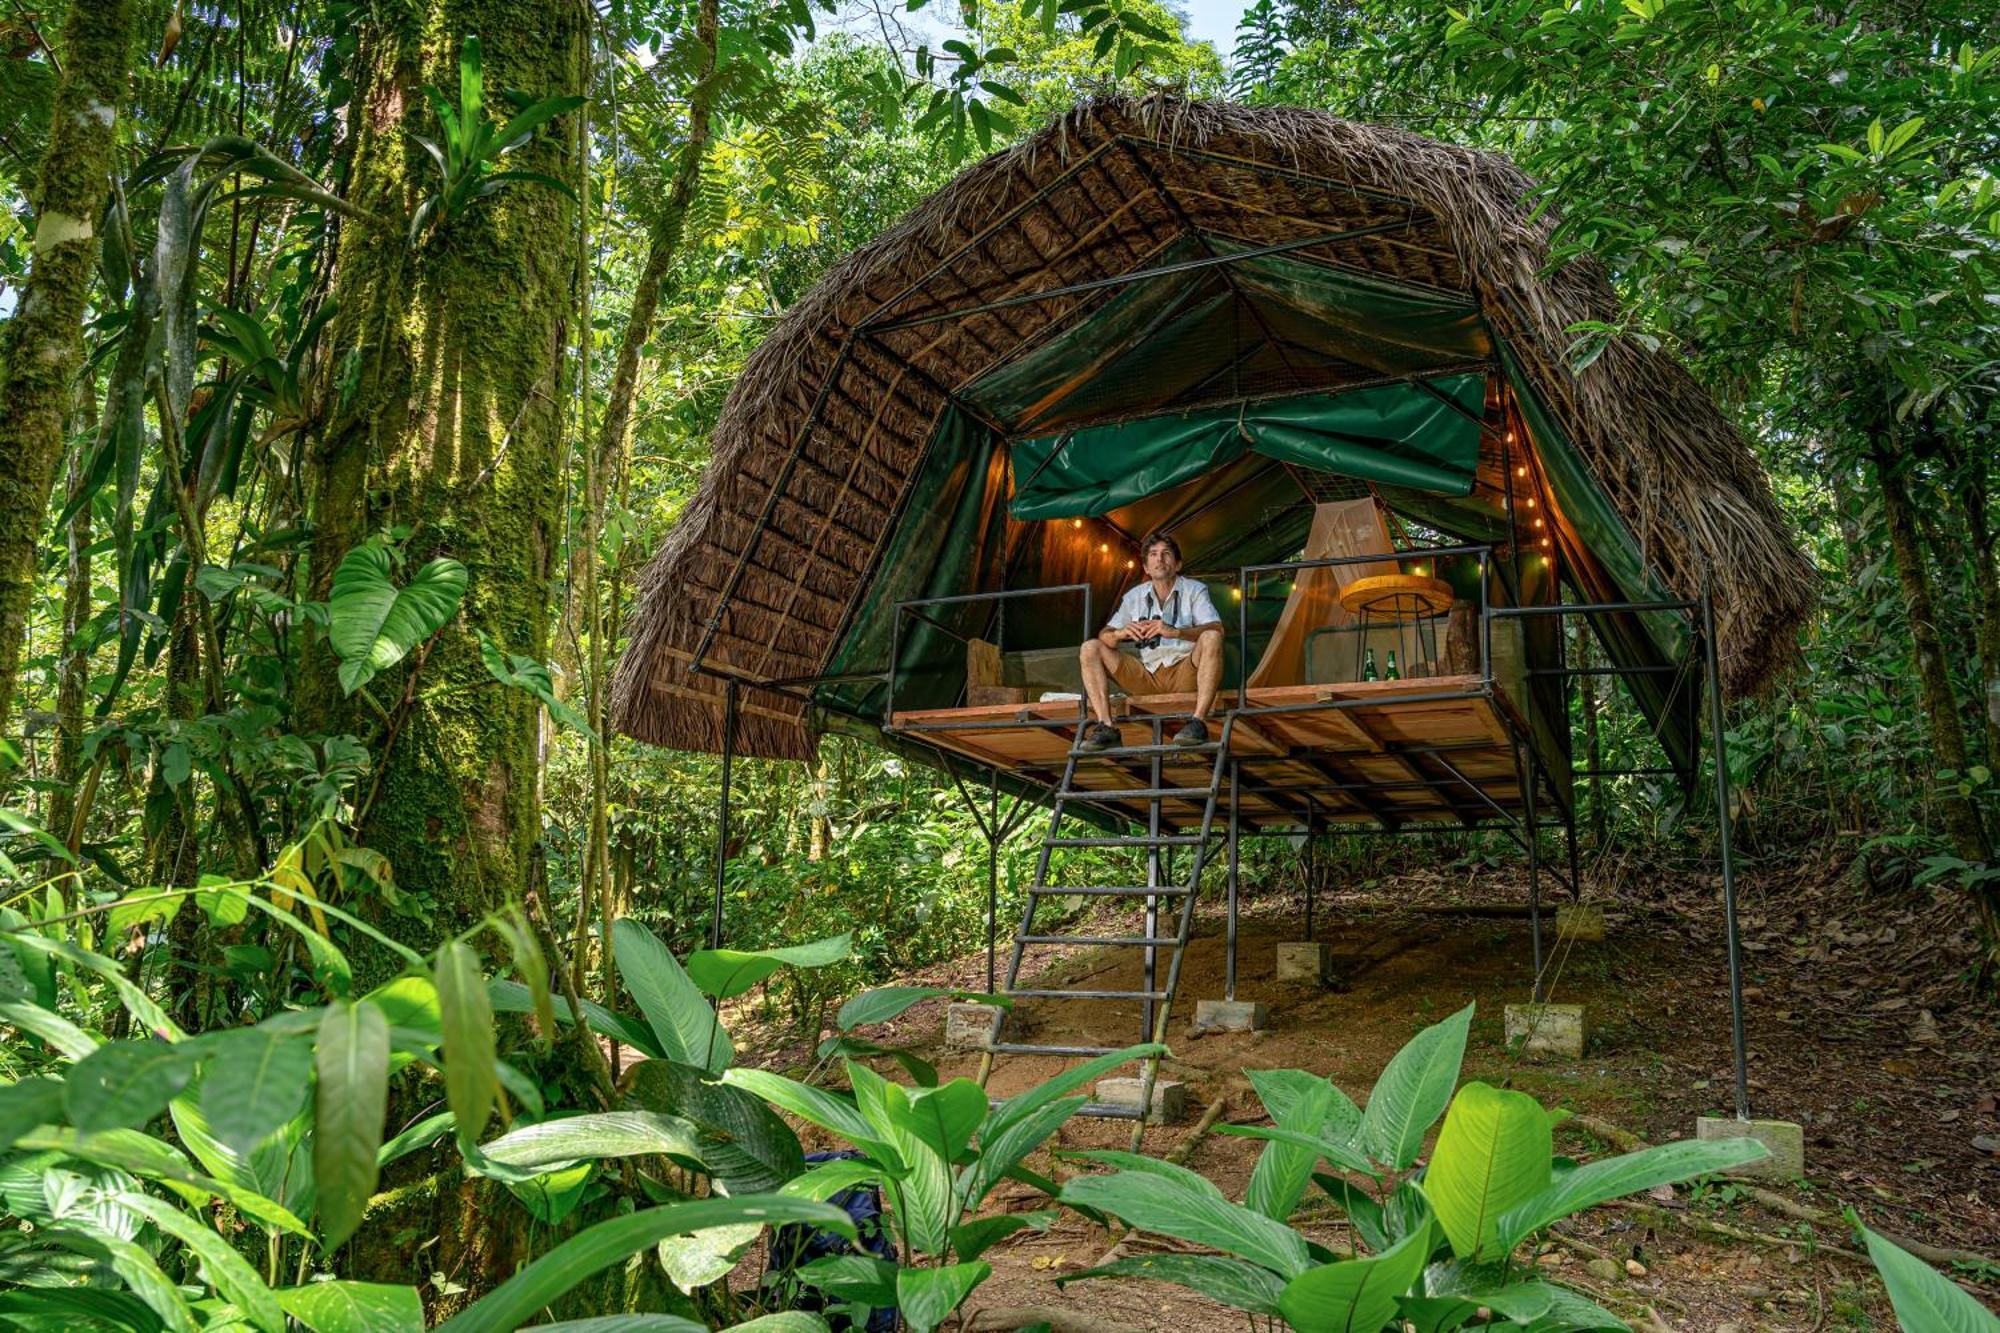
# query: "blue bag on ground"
{"type": "Point", "coordinates": [797, 1244]}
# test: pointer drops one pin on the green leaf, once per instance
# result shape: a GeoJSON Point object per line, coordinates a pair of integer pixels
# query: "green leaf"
{"type": "Point", "coordinates": [1238, 1285]}
{"type": "Point", "coordinates": [27, 1106]}
{"type": "Point", "coordinates": [1129, 1161]}
{"type": "Point", "coordinates": [470, 1080]}
{"type": "Point", "coordinates": [1440, 1314]}
{"type": "Point", "coordinates": [928, 1203]}
{"type": "Point", "coordinates": [854, 1277]}
{"type": "Point", "coordinates": [354, 1307]}
{"type": "Point", "coordinates": [1023, 1104]}
{"type": "Point", "coordinates": [927, 1296]}
{"type": "Point", "coordinates": [62, 1035]}
{"type": "Point", "coordinates": [613, 1241]}
{"type": "Point", "coordinates": [511, 997]}
{"type": "Point", "coordinates": [525, 673]}
{"type": "Point", "coordinates": [1413, 1092]}
{"type": "Point", "coordinates": [673, 1005]}
{"type": "Point", "coordinates": [1342, 1155]}
{"type": "Point", "coordinates": [742, 1142]}
{"type": "Point", "coordinates": [945, 1117]}
{"type": "Point", "coordinates": [372, 623]}
{"type": "Point", "coordinates": [124, 1084]}
{"type": "Point", "coordinates": [1573, 1191]}
{"type": "Point", "coordinates": [1001, 1154]}
{"type": "Point", "coordinates": [817, 1106]}
{"type": "Point", "coordinates": [1169, 1208]}
{"type": "Point", "coordinates": [587, 1137]}
{"type": "Point", "coordinates": [785, 1321]}
{"type": "Point", "coordinates": [1363, 1212]}
{"type": "Point", "coordinates": [969, 1240]}
{"type": "Point", "coordinates": [253, 1082]}
{"type": "Point", "coordinates": [1925, 1300]}
{"type": "Point", "coordinates": [1492, 1155]}
{"type": "Point", "coordinates": [1357, 1294]}
{"type": "Point", "coordinates": [826, 1179]}
{"type": "Point", "coordinates": [227, 1271]}
{"type": "Point", "coordinates": [887, 1002]}
{"type": "Point", "coordinates": [705, 1256]}
{"type": "Point", "coordinates": [351, 1101]}
{"type": "Point", "coordinates": [135, 1267]}
{"type": "Point", "coordinates": [1280, 1089]}
{"type": "Point", "coordinates": [471, 85]}
{"type": "Point", "coordinates": [727, 973]}
{"type": "Point", "coordinates": [1567, 1312]}
{"type": "Point", "coordinates": [625, 1323]}
{"type": "Point", "coordinates": [1278, 1181]}
{"type": "Point", "coordinates": [147, 1157]}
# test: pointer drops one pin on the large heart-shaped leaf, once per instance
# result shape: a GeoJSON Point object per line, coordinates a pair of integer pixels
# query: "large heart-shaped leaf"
{"type": "Point", "coordinates": [341, 1306]}
{"type": "Point", "coordinates": [927, 1296]}
{"type": "Point", "coordinates": [1923, 1297]}
{"type": "Point", "coordinates": [372, 623]}
{"type": "Point", "coordinates": [1358, 1294]}
{"type": "Point", "coordinates": [677, 1011]}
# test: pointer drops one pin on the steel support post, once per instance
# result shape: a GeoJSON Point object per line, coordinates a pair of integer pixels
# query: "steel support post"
{"type": "Point", "coordinates": [1534, 868]}
{"type": "Point", "coordinates": [992, 881]}
{"type": "Point", "coordinates": [1720, 747]}
{"type": "Point", "coordinates": [1152, 882]}
{"type": "Point", "coordinates": [1229, 944]}
{"type": "Point", "coordinates": [729, 701]}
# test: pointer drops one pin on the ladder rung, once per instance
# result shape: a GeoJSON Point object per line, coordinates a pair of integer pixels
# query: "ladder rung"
{"type": "Point", "coordinates": [1137, 941]}
{"type": "Point", "coordinates": [1135, 793]}
{"type": "Point", "coordinates": [1031, 1048]}
{"type": "Point", "coordinates": [1157, 840]}
{"type": "Point", "coordinates": [1090, 994]}
{"type": "Point", "coordinates": [1108, 890]}
{"type": "Point", "coordinates": [1108, 1111]}
{"type": "Point", "coordinates": [1164, 748]}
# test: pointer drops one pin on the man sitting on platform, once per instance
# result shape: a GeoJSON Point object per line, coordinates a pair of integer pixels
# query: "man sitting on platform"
{"type": "Point", "coordinates": [1165, 638]}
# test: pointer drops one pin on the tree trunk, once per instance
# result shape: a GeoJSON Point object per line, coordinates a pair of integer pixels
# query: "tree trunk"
{"type": "Point", "coordinates": [451, 430]}
{"type": "Point", "coordinates": [73, 664]}
{"type": "Point", "coordinates": [45, 336]}
{"type": "Point", "coordinates": [1986, 580]}
{"type": "Point", "coordinates": [1947, 729]}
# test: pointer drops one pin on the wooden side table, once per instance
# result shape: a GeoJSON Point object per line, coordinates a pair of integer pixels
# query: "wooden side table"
{"type": "Point", "coordinates": [1396, 600]}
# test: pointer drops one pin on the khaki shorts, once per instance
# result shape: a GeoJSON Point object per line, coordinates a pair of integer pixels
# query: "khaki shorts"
{"type": "Point", "coordinates": [1133, 678]}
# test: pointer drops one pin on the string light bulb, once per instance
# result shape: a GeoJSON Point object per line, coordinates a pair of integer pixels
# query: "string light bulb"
{"type": "Point", "coordinates": [1237, 593]}
{"type": "Point", "coordinates": [1103, 547]}
{"type": "Point", "coordinates": [1531, 502]}
{"type": "Point", "coordinates": [1076, 522]}
{"type": "Point", "coordinates": [1128, 564]}
{"type": "Point", "coordinates": [1510, 440]}
{"type": "Point", "coordinates": [1539, 523]}
{"type": "Point", "coordinates": [1522, 470]}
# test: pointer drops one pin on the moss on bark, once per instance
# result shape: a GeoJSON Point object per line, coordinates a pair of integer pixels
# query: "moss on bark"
{"type": "Point", "coordinates": [450, 426]}
{"type": "Point", "coordinates": [45, 336]}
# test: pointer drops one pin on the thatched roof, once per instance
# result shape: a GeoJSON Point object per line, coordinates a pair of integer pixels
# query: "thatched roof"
{"type": "Point", "coordinates": [824, 430]}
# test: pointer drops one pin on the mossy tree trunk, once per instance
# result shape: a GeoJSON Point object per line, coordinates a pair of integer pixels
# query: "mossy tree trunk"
{"type": "Point", "coordinates": [45, 337]}
{"type": "Point", "coordinates": [447, 422]}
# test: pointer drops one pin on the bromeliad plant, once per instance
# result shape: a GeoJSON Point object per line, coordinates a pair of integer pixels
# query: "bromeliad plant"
{"type": "Point", "coordinates": [1442, 1238]}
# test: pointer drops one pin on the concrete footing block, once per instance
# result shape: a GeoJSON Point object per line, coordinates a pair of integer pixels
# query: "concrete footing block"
{"type": "Point", "coordinates": [1786, 1141]}
{"type": "Point", "coordinates": [1582, 923]}
{"type": "Point", "coordinates": [1170, 1097]}
{"type": "Point", "coordinates": [1228, 1016]}
{"type": "Point", "coordinates": [1546, 1029]}
{"type": "Point", "coordinates": [969, 1026]}
{"type": "Point", "coordinates": [1310, 963]}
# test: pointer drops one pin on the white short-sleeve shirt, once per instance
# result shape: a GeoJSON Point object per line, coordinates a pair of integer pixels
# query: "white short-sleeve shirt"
{"type": "Point", "coordinates": [1187, 605]}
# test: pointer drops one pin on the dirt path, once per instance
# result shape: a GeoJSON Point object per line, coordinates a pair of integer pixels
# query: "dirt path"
{"type": "Point", "coordinates": [1895, 1083]}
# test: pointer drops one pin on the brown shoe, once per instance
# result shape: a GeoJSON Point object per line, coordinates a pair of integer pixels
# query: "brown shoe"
{"type": "Point", "coordinates": [1099, 736]}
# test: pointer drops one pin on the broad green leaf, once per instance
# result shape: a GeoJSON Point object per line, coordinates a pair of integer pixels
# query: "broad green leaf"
{"type": "Point", "coordinates": [59, 1309]}
{"type": "Point", "coordinates": [945, 1117]}
{"type": "Point", "coordinates": [928, 1202]}
{"type": "Point", "coordinates": [137, 1003]}
{"type": "Point", "coordinates": [854, 1277]}
{"type": "Point", "coordinates": [1026, 1103]}
{"type": "Point", "coordinates": [1359, 1294]}
{"type": "Point", "coordinates": [124, 1084]}
{"type": "Point", "coordinates": [705, 1256]}
{"type": "Point", "coordinates": [927, 1296]}
{"type": "Point", "coordinates": [743, 1143]}
{"type": "Point", "coordinates": [623, 1323]}
{"type": "Point", "coordinates": [1441, 1314]}
{"type": "Point", "coordinates": [1363, 1212]}
{"type": "Point", "coordinates": [726, 973]}
{"type": "Point", "coordinates": [147, 1157]}
{"type": "Point", "coordinates": [785, 1321]}
{"type": "Point", "coordinates": [1129, 1161]}
{"type": "Point", "coordinates": [1594, 1182]}
{"type": "Point", "coordinates": [227, 1271]}
{"type": "Point", "coordinates": [605, 1134]}
{"type": "Point", "coordinates": [971, 1239]}
{"type": "Point", "coordinates": [470, 1080]}
{"type": "Point", "coordinates": [818, 1107]}
{"type": "Point", "coordinates": [674, 1006]}
{"type": "Point", "coordinates": [511, 997]}
{"type": "Point", "coordinates": [525, 673]}
{"type": "Point", "coordinates": [62, 1035]}
{"type": "Point", "coordinates": [135, 1267]}
{"type": "Point", "coordinates": [1568, 1312]}
{"type": "Point", "coordinates": [1280, 1089]}
{"type": "Point", "coordinates": [253, 1081]}
{"type": "Point", "coordinates": [510, 1305]}
{"type": "Point", "coordinates": [921, 1071]}
{"type": "Point", "coordinates": [826, 1179]}
{"type": "Point", "coordinates": [887, 1002]}
{"type": "Point", "coordinates": [1343, 1155]}
{"type": "Point", "coordinates": [27, 1106]}
{"type": "Point", "coordinates": [1001, 1155]}
{"type": "Point", "coordinates": [1233, 1283]}
{"type": "Point", "coordinates": [1278, 1181]}
{"type": "Point", "coordinates": [1925, 1300]}
{"type": "Point", "coordinates": [354, 1307]}
{"type": "Point", "coordinates": [372, 623]}
{"type": "Point", "coordinates": [1492, 1155]}
{"type": "Point", "coordinates": [1168, 1208]}
{"type": "Point", "coordinates": [1413, 1092]}
{"type": "Point", "coordinates": [350, 1103]}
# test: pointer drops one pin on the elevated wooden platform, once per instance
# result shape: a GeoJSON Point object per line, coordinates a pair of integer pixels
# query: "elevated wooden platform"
{"type": "Point", "coordinates": [1399, 752]}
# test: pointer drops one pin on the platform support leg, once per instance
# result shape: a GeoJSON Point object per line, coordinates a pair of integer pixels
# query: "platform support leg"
{"type": "Point", "coordinates": [1229, 941]}
{"type": "Point", "coordinates": [993, 883]}
{"type": "Point", "coordinates": [729, 700]}
{"type": "Point", "coordinates": [1534, 833]}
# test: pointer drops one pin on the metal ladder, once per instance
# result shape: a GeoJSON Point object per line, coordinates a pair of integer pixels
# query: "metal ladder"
{"type": "Point", "coordinates": [1155, 1000]}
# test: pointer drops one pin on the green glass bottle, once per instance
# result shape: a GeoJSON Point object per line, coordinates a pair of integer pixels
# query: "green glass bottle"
{"type": "Point", "coordinates": [1368, 671]}
{"type": "Point", "coordinates": [1392, 673]}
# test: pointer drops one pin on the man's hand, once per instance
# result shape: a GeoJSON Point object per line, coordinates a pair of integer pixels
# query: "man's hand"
{"type": "Point", "coordinates": [1147, 629]}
